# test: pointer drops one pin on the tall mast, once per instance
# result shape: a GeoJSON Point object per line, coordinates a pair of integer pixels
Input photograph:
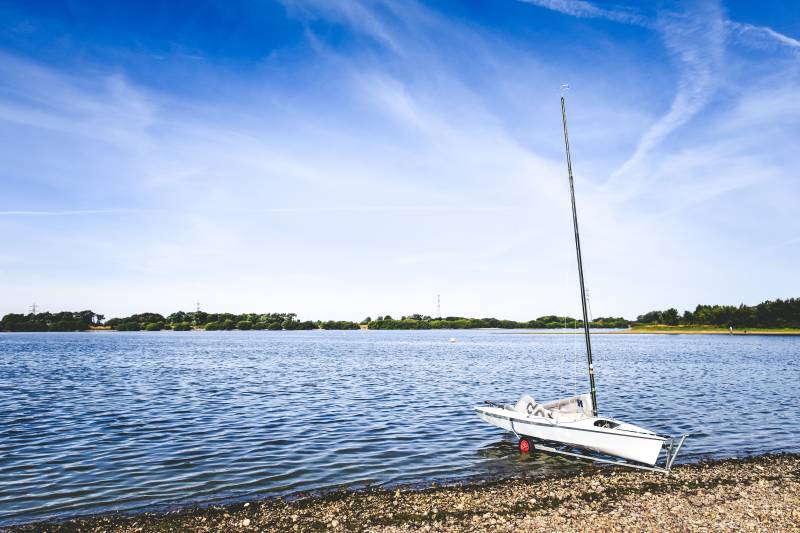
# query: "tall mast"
{"type": "Point", "coordinates": [580, 262]}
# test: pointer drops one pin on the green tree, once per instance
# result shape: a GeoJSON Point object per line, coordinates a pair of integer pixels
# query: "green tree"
{"type": "Point", "coordinates": [670, 317]}
{"type": "Point", "coordinates": [178, 317]}
{"type": "Point", "coordinates": [653, 317]}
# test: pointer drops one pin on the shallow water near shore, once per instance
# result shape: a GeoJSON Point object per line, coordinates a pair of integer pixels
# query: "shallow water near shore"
{"type": "Point", "coordinates": [93, 422]}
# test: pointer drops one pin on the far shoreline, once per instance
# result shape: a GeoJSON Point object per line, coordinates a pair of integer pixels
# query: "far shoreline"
{"type": "Point", "coordinates": [635, 331]}
{"type": "Point", "coordinates": [647, 330]}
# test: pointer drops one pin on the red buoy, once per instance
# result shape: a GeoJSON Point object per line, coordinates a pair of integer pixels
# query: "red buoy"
{"type": "Point", "coordinates": [524, 446]}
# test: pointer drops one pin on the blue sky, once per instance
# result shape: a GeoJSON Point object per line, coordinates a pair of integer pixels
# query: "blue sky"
{"type": "Point", "coordinates": [345, 159]}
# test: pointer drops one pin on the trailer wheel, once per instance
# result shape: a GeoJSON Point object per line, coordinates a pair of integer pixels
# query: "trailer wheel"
{"type": "Point", "coordinates": [525, 445]}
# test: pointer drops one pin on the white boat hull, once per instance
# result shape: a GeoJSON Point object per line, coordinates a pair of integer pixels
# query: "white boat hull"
{"type": "Point", "coordinates": [622, 440]}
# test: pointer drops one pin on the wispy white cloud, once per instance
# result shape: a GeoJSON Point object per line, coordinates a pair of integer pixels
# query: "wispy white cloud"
{"type": "Point", "coordinates": [583, 9]}
{"type": "Point", "coordinates": [288, 209]}
{"type": "Point", "coordinates": [69, 213]}
{"type": "Point", "coordinates": [387, 208]}
{"type": "Point", "coordinates": [351, 187]}
{"type": "Point", "coordinates": [106, 107]}
{"type": "Point", "coordinates": [748, 33]}
{"type": "Point", "coordinates": [696, 39]}
{"type": "Point", "coordinates": [762, 35]}
{"type": "Point", "coordinates": [353, 13]}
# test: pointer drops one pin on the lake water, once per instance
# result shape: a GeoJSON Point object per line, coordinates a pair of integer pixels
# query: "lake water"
{"type": "Point", "coordinates": [92, 422]}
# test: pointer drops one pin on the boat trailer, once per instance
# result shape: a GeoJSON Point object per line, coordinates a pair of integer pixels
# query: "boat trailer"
{"type": "Point", "coordinates": [672, 446]}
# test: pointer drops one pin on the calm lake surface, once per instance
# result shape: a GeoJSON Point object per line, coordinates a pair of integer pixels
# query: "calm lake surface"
{"type": "Point", "coordinates": [92, 422]}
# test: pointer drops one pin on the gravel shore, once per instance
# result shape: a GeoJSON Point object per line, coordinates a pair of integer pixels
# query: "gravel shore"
{"type": "Point", "coordinates": [754, 494]}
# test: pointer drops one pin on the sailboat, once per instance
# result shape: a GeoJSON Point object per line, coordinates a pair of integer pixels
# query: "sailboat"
{"type": "Point", "coordinates": [572, 426]}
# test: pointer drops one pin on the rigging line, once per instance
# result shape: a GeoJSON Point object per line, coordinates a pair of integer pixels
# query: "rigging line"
{"type": "Point", "coordinates": [564, 343]}
{"type": "Point", "coordinates": [589, 306]}
{"type": "Point", "coordinates": [561, 389]}
{"type": "Point", "coordinates": [575, 358]}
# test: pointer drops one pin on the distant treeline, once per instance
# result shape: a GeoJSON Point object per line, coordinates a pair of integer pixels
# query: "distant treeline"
{"type": "Point", "coordinates": [183, 321]}
{"type": "Point", "coordinates": [456, 322]}
{"type": "Point", "coordinates": [769, 314]}
{"type": "Point", "coordinates": [64, 321]}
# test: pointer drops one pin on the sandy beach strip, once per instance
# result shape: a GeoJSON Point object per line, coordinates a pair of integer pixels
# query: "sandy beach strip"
{"type": "Point", "coordinates": [753, 494]}
{"type": "Point", "coordinates": [680, 331]}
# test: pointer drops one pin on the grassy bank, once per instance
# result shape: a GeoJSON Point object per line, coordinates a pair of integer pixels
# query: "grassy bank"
{"type": "Point", "coordinates": [756, 494]}
{"type": "Point", "coordinates": [709, 330]}
{"type": "Point", "coordinates": [667, 330]}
